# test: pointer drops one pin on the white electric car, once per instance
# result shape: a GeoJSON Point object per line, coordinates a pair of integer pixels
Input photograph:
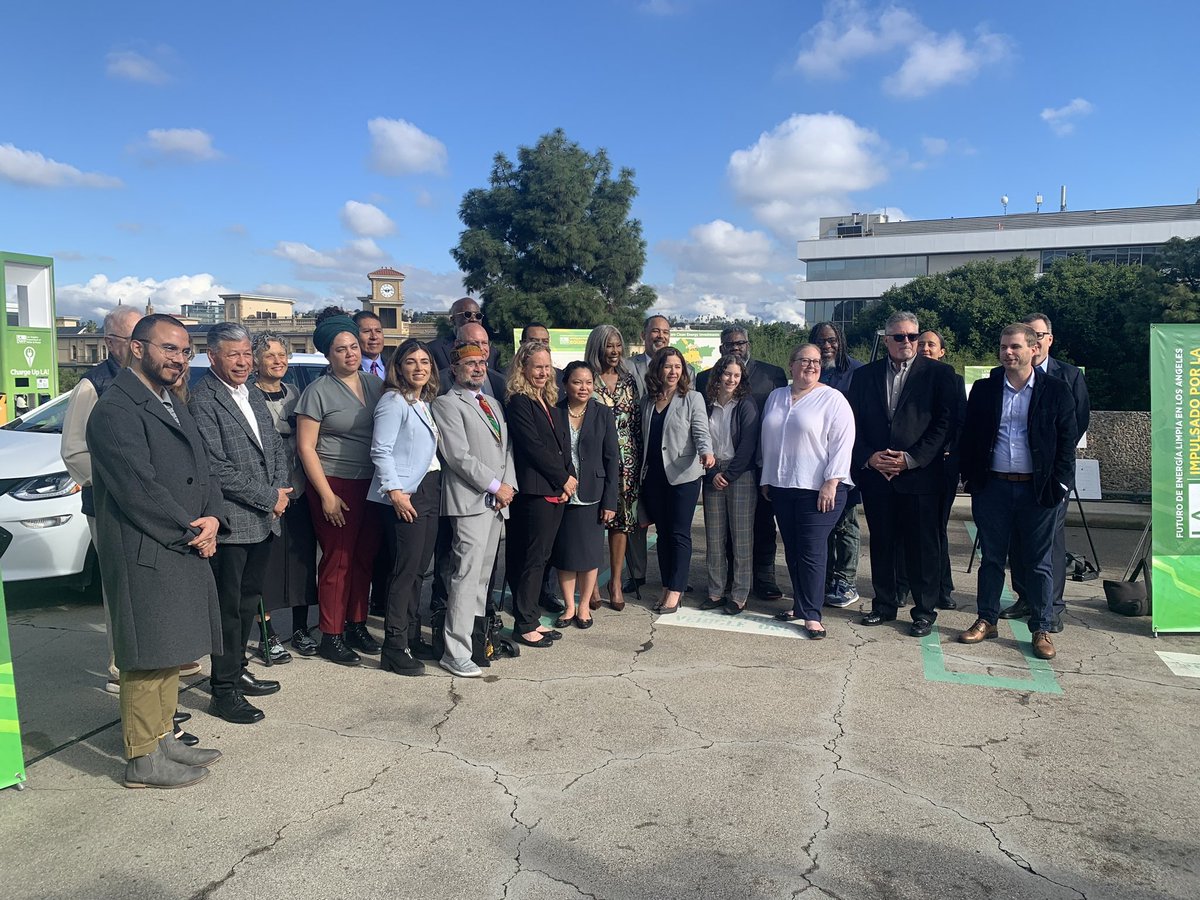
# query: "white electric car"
{"type": "Point", "coordinates": [43, 532]}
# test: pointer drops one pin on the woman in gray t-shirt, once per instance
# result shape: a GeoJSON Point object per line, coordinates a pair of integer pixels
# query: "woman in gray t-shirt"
{"type": "Point", "coordinates": [334, 420]}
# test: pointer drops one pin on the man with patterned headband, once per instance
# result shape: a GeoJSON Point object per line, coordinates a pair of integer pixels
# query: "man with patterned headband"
{"type": "Point", "coordinates": [478, 484]}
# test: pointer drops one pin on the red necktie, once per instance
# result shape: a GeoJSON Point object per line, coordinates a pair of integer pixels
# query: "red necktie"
{"type": "Point", "coordinates": [491, 416]}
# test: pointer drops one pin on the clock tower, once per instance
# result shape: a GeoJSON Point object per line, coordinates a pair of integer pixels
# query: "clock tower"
{"type": "Point", "coordinates": [386, 300]}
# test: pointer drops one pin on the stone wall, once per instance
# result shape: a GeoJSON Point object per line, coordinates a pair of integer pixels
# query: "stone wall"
{"type": "Point", "coordinates": [1121, 442]}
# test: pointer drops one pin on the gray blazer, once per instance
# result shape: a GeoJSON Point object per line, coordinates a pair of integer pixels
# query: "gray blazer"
{"type": "Point", "coordinates": [152, 479]}
{"type": "Point", "coordinates": [471, 458]}
{"type": "Point", "coordinates": [638, 366]}
{"type": "Point", "coordinates": [250, 475]}
{"type": "Point", "coordinates": [685, 437]}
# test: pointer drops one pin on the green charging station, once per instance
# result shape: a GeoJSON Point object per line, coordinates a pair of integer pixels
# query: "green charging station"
{"type": "Point", "coordinates": [28, 344]}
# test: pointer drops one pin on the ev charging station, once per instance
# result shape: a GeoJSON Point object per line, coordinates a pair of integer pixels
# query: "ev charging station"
{"type": "Point", "coordinates": [28, 344]}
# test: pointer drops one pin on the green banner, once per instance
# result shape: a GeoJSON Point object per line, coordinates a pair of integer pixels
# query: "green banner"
{"type": "Point", "coordinates": [1175, 476]}
{"type": "Point", "coordinates": [12, 759]}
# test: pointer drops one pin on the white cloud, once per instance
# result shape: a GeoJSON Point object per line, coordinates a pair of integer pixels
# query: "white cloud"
{"type": "Point", "coordinates": [726, 272]}
{"type": "Point", "coordinates": [1062, 120]}
{"type": "Point", "coordinates": [345, 267]}
{"type": "Point", "coordinates": [429, 290]}
{"type": "Point", "coordinates": [401, 148]}
{"type": "Point", "coordinates": [935, 146]}
{"type": "Point", "coordinates": [366, 219]}
{"type": "Point", "coordinates": [129, 65]}
{"type": "Point", "coordinates": [805, 168]}
{"type": "Point", "coordinates": [851, 32]}
{"type": "Point", "coordinates": [935, 61]}
{"type": "Point", "coordinates": [182, 144]}
{"type": "Point", "coordinates": [30, 168]}
{"type": "Point", "coordinates": [303, 255]}
{"type": "Point", "coordinates": [98, 295]}
{"type": "Point", "coordinates": [425, 199]}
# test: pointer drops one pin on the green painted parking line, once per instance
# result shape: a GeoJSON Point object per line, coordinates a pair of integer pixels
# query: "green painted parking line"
{"type": "Point", "coordinates": [1042, 679]}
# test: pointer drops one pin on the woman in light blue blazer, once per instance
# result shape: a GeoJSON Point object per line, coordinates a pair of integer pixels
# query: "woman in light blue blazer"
{"type": "Point", "coordinates": [408, 478]}
{"type": "Point", "coordinates": [677, 450]}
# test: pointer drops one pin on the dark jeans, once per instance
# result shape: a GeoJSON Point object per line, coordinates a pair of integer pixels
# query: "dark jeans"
{"type": "Point", "coordinates": [532, 527]}
{"type": "Point", "coordinates": [671, 508]}
{"type": "Point", "coordinates": [905, 525]}
{"type": "Point", "coordinates": [1013, 526]}
{"type": "Point", "coordinates": [764, 541]}
{"type": "Point", "coordinates": [1058, 559]}
{"type": "Point", "coordinates": [805, 532]}
{"type": "Point", "coordinates": [238, 570]}
{"type": "Point", "coordinates": [412, 550]}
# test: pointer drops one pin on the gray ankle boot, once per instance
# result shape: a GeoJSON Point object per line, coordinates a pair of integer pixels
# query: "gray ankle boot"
{"type": "Point", "coordinates": [177, 751]}
{"type": "Point", "coordinates": [155, 770]}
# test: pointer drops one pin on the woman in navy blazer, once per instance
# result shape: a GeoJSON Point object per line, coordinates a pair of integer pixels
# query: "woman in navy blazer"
{"type": "Point", "coordinates": [546, 480]}
{"type": "Point", "coordinates": [676, 452]}
{"type": "Point", "coordinates": [579, 547]}
{"type": "Point", "coordinates": [408, 478]}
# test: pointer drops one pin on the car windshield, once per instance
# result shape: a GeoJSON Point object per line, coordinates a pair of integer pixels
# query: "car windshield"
{"type": "Point", "coordinates": [46, 419]}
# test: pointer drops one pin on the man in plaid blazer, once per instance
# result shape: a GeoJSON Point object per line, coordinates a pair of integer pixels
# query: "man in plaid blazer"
{"type": "Point", "coordinates": [247, 455]}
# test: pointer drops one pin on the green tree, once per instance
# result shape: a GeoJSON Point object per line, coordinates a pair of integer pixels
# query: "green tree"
{"type": "Point", "coordinates": [551, 240]}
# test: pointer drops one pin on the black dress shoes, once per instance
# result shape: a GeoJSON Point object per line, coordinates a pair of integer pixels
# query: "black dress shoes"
{"type": "Point", "coordinates": [874, 618]}
{"type": "Point", "coordinates": [632, 584]}
{"type": "Point", "coordinates": [334, 649]}
{"type": "Point", "coordinates": [1019, 610]}
{"type": "Point", "coordinates": [552, 604]}
{"type": "Point", "coordinates": [947, 604]}
{"type": "Point", "coordinates": [521, 639]}
{"type": "Point", "coordinates": [564, 622]}
{"type": "Point", "coordinates": [358, 638]}
{"type": "Point", "coordinates": [422, 649]}
{"type": "Point", "coordinates": [180, 717]}
{"type": "Point", "coordinates": [584, 623]}
{"type": "Point", "coordinates": [920, 627]}
{"type": "Point", "coordinates": [255, 687]}
{"type": "Point", "coordinates": [769, 592]}
{"type": "Point", "coordinates": [235, 708]}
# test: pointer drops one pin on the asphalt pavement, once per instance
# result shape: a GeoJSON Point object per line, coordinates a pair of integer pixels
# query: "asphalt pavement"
{"type": "Point", "coordinates": [694, 755]}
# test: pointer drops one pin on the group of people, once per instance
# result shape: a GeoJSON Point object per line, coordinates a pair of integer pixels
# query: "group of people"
{"type": "Point", "coordinates": [209, 505]}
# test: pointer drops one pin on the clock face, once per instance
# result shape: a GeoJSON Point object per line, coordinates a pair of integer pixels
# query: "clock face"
{"type": "Point", "coordinates": [387, 291]}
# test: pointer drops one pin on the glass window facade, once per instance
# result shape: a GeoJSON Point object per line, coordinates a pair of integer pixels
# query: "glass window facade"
{"type": "Point", "coordinates": [867, 267]}
{"type": "Point", "coordinates": [1122, 256]}
{"type": "Point", "coordinates": [839, 311]}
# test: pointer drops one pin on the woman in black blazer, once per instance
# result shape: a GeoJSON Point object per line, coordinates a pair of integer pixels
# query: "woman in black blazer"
{"type": "Point", "coordinates": [546, 480]}
{"type": "Point", "coordinates": [579, 548]}
{"type": "Point", "coordinates": [730, 487]}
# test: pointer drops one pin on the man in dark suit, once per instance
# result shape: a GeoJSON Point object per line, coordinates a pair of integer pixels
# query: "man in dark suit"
{"type": "Point", "coordinates": [157, 515]}
{"type": "Point", "coordinates": [1044, 362]}
{"type": "Point", "coordinates": [761, 379]}
{"type": "Point", "coordinates": [247, 454]}
{"type": "Point", "coordinates": [370, 342]}
{"type": "Point", "coordinates": [902, 412]}
{"type": "Point", "coordinates": [1018, 454]}
{"type": "Point", "coordinates": [463, 311]}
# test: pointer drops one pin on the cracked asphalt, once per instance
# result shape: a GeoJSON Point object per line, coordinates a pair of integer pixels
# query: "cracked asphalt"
{"type": "Point", "coordinates": [638, 761]}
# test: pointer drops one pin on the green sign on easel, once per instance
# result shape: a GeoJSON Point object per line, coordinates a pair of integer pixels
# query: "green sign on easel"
{"type": "Point", "coordinates": [12, 759]}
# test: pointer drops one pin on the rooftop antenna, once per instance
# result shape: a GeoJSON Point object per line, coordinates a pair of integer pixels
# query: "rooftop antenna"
{"type": "Point", "coordinates": [1004, 202]}
{"type": "Point", "coordinates": [1062, 199]}
{"type": "Point", "coordinates": [1038, 200]}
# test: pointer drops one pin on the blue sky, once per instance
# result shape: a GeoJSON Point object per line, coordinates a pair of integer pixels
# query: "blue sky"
{"type": "Point", "coordinates": [170, 153]}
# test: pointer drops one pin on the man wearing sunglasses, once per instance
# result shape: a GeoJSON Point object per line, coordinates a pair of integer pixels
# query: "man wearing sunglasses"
{"type": "Point", "coordinates": [902, 413]}
{"type": "Point", "coordinates": [464, 311]}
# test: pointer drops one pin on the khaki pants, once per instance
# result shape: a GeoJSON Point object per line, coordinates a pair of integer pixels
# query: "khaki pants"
{"type": "Point", "coordinates": [148, 699]}
{"type": "Point", "coordinates": [113, 672]}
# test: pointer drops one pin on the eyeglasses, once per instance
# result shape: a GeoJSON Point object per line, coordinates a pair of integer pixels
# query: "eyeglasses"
{"type": "Point", "coordinates": [118, 337]}
{"type": "Point", "coordinates": [472, 316]}
{"type": "Point", "coordinates": [901, 338]}
{"type": "Point", "coordinates": [807, 363]}
{"type": "Point", "coordinates": [737, 344]}
{"type": "Point", "coordinates": [821, 342]}
{"type": "Point", "coordinates": [1041, 334]}
{"type": "Point", "coordinates": [171, 351]}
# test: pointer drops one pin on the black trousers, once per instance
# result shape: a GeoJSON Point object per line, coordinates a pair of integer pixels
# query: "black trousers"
{"type": "Point", "coordinates": [671, 508]}
{"type": "Point", "coordinates": [411, 551]}
{"type": "Point", "coordinates": [532, 527]}
{"type": "Point", "coordinates": [764, 542]}
{"type": "Point", "coordinates": [238, 570]}
{"type": "Point", "coordinates": [907, 524]}
{"type": "Point", "coordinates": [946, 578]}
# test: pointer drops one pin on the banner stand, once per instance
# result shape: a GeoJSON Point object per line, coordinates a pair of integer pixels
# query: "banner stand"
{"type": "Point", "coordinates": [12, 757]}
{"type": "Point", "coordinates": [1175, 477]}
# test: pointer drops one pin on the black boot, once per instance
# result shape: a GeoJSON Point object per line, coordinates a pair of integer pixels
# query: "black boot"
{"type": "Point", "coordinates": [401, 661]}
{"type": "Point", "coordinates": [358, 638]}
{"type": "Point", "coordinates": [334, 649]}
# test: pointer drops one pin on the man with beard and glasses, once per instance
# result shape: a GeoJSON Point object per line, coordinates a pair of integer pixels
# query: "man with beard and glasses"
{"type": "Point", "coordinates": [158, 510]}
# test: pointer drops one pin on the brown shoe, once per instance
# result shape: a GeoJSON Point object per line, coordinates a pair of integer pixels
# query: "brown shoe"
{"type": "Point", "coordinates": [1043, 648]}
{"type": "Point", "coordinates": [594, 602]}
{"type": "Point", "coordinates": [980, 631]}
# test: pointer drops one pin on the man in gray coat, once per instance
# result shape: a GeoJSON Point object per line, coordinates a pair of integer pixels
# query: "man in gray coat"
{"type": "Point", "coordinates": [478, 484]}
{"type": "Point", "coordinates": [157, 515]}
{"type": "Point", "coordinates": [248, 457]}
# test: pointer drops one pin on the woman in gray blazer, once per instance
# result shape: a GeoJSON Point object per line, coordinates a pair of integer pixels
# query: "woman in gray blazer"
{"type": "Point", "coordinates": [408, 478]}
{"type": "Point", "coordinates": [677, 451]}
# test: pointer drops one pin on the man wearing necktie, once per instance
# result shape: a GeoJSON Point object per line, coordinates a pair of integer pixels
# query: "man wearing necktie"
{"type": "Point", "coordinates": [370, 341]}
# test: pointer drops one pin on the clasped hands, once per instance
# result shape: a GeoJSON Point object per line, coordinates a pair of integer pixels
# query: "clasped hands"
{"type": "Point", "coordinates": [206, 541]}
{"type": "Point", "coordinates": [888, 463]}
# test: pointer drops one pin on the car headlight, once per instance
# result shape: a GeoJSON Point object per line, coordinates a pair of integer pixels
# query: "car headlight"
{"type": "Point", "coordinates": [45, 487]}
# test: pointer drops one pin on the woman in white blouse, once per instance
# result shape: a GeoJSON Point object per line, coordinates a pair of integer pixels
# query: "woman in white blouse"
{"type": "Point", "coordinates": [807, 435]}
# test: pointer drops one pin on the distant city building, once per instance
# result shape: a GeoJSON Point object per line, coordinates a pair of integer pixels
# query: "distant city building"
{"type": "Point", "coordinates": [858, 256]}
{"type": "Point", "coordinates": [206, 312]}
